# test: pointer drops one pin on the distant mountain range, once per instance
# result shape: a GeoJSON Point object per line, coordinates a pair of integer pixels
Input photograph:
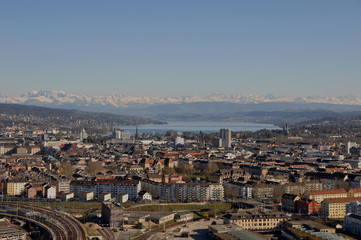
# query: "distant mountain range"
{"type": "Point", "coordinates": [215, 107]}
{"type": "Point", "coordinates": [61, 98]}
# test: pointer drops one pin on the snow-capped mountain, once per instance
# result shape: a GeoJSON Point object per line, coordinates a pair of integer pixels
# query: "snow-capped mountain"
{"type": "Point", "coordinates": [63, 99]}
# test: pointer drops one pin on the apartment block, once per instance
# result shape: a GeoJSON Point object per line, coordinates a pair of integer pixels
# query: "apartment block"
{"type": "Point", "coordinates": [184, 191]}
{"type": "Point", "coordinates": [320, 195]}
{"type": "Point", "coordinates": [255, 220]}
{"type": "Point", "coordinates": [335, 208]}
{"type": "Point", "coordinates": [353, 224]}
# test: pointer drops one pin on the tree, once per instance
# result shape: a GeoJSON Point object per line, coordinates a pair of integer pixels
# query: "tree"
{"type": "Point", "coordinates": [230, 193]}
{"type": "Point", "coordinates": [185, 169]}
{"type": "Point", "coordinates": [66, 169]}
{"type": "Point", "coordinates": [93, 168]}
{"type": "Point", "coordinates": [211, 168]}
{"type": "Point", "coordinates": [168, 171]}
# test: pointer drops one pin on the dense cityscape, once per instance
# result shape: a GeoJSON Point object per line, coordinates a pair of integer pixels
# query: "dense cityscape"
{"type": "Point", "coordinates": [190, 120]}
{"type": "Point", "coordinates": [268, 184]}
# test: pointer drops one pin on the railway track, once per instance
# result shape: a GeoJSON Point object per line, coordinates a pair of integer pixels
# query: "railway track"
{"type": "Point", "coordinates": [106, 234]}
{"type": "Point", "coordinates": [63, 225]}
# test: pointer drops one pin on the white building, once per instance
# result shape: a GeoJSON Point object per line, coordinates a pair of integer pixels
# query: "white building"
{"type": "Point", "coordinates": [122, 197]}
{"type": "Point", "coordinates": [50, 192]}
{"type": "Point", "coordinates": [67, 197]}
{"type": "Point", "coordinates": [184, 191]}
{"type": "Point", "coordinates": [104, 197]}
{"type": "Point", "coordinates": [121, 134]}
{"type": "Point", "coordinates": [144, 196]}
{"type": "Point", "coordinates": [63, 186]}
{"type": "Point", "coordinates": [114, 187]}
{"type": "Point", "coordinates": [86, 196]}
{"type": "Point", "coordinates": [349, 145]}
{"type": "Point", "coordinates": [15, 187]}
{"type": "Point", "coordinates": [179, 141]}
{"type": "Point", "coordinates": [83, 135]}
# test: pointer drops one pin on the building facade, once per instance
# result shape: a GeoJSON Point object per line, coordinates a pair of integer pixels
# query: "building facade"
{"type": "Point", "coordinates": [182, 192]}
{"type": "Point", "coordinates": [353, 224]}
{"type": "Point", "coordinates": [335, 208]}
{"type": "Point", "coordinates": [320, 195]}
{"type": "Point", "coordinates": [255, 220]}
{"type": "Point", "coordinates": [225, 135]}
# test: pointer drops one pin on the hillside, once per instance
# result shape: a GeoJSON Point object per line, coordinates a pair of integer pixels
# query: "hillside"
{"type": "Point", "coordinates": [42, 117]}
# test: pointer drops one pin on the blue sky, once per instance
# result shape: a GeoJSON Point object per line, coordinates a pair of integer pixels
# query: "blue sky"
{"type": "Point", "coordinates": [166, 48]}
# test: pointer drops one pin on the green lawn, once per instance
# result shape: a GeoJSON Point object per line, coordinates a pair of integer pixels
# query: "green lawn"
{"type": "Point", "coordinates": [70, 207]}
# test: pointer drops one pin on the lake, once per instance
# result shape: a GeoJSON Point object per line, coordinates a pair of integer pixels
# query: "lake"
{"type": "Point", "coordinates": [196, 127]}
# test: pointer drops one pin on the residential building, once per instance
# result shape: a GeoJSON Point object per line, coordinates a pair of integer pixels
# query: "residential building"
{"type": "Point", "coordinates": [184, 191]}
{"type": "Point", "coordinates": [144, 196]}
{"type": "Point", "coordinates": [104, 197]}
{"type": "Point", "coordinates": [307, 206]}
{"type": "Point", "coordinates": [67, 197]}
{"type": "Point", "coordinates": [86, 196]}
{"type": "Point", "coordinates": [243, 190]}
{"type": "Point", "coordinates": [15, 187]}
{"type": "Point", "coordinates": [63, 186]}
{"type": "Point", "coordinates": [335, 208]}
{"type": "Point", "coordinates": [353, 207]}
{"type": "Point", "coordinates": [353, 224]}
{"type": "Point", "coordinates": [299, 188]}
{"type": "Point", "coordinates": [289, 201]}
{"type": "Point", "coordinates": [354, 192]}
{"type": "Point", "coordinates": [50, 192]}
{"type": "Point", "coordinates": [122, 197]}
{"type": "Point", "coordinates": [255, 220]}
{"type": "Point", "coordinates": [131, 187]}
{"type": "Point", "coordinates": [320, 195]}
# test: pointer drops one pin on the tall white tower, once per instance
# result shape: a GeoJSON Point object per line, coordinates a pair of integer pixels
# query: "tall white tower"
{"type": "Point", "coordinates": [83, 135]}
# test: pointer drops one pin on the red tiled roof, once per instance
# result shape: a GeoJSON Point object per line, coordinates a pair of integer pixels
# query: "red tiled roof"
{"type": "Point", "coordinates": [330, 191]}
{"type": "Point", "coordinates": [356, 190]}
{"type": "Point", "coordinates": [343, 200]}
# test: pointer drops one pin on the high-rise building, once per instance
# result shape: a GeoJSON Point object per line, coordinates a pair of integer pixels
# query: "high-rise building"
{"type": "Point", "coordinates": [121, 134]}
{"type": "Point", "coordinates": [225, 135]}
{"type": "Point", "coordinates": [83, 135]}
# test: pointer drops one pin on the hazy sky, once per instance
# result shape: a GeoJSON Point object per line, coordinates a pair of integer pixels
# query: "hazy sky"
{"type": "Point", "coordinates": [184, 47]}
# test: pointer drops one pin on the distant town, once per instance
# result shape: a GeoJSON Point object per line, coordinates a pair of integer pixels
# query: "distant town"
{"type": "Point", "coordinates": [294, 183]}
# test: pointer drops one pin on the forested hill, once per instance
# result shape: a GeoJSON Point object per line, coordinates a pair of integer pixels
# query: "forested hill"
{"type": "Point", "coordinates": [14, 114]}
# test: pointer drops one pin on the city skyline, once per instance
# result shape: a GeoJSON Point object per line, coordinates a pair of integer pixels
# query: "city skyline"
{"type": "Point", "coordinates": [164, 48]}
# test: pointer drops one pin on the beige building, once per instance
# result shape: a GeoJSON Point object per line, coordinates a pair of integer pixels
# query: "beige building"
{"type": "Point", "coordinates": [22, 150]}
{"type": "Point", "coordinates": [299, 188]}
{"type": "Point", "coordinates": [15, 187]}
{"type": "Point", "coordinates": [255, 220]}
{"type": "Point", "coordinates": [335, 208]}
{"type": "Point", "coordinates": [320, 195]}
{"type": "Point", "coordinates": [354, 192]}
{"type": "Point", "coordinates": [34, 150]}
